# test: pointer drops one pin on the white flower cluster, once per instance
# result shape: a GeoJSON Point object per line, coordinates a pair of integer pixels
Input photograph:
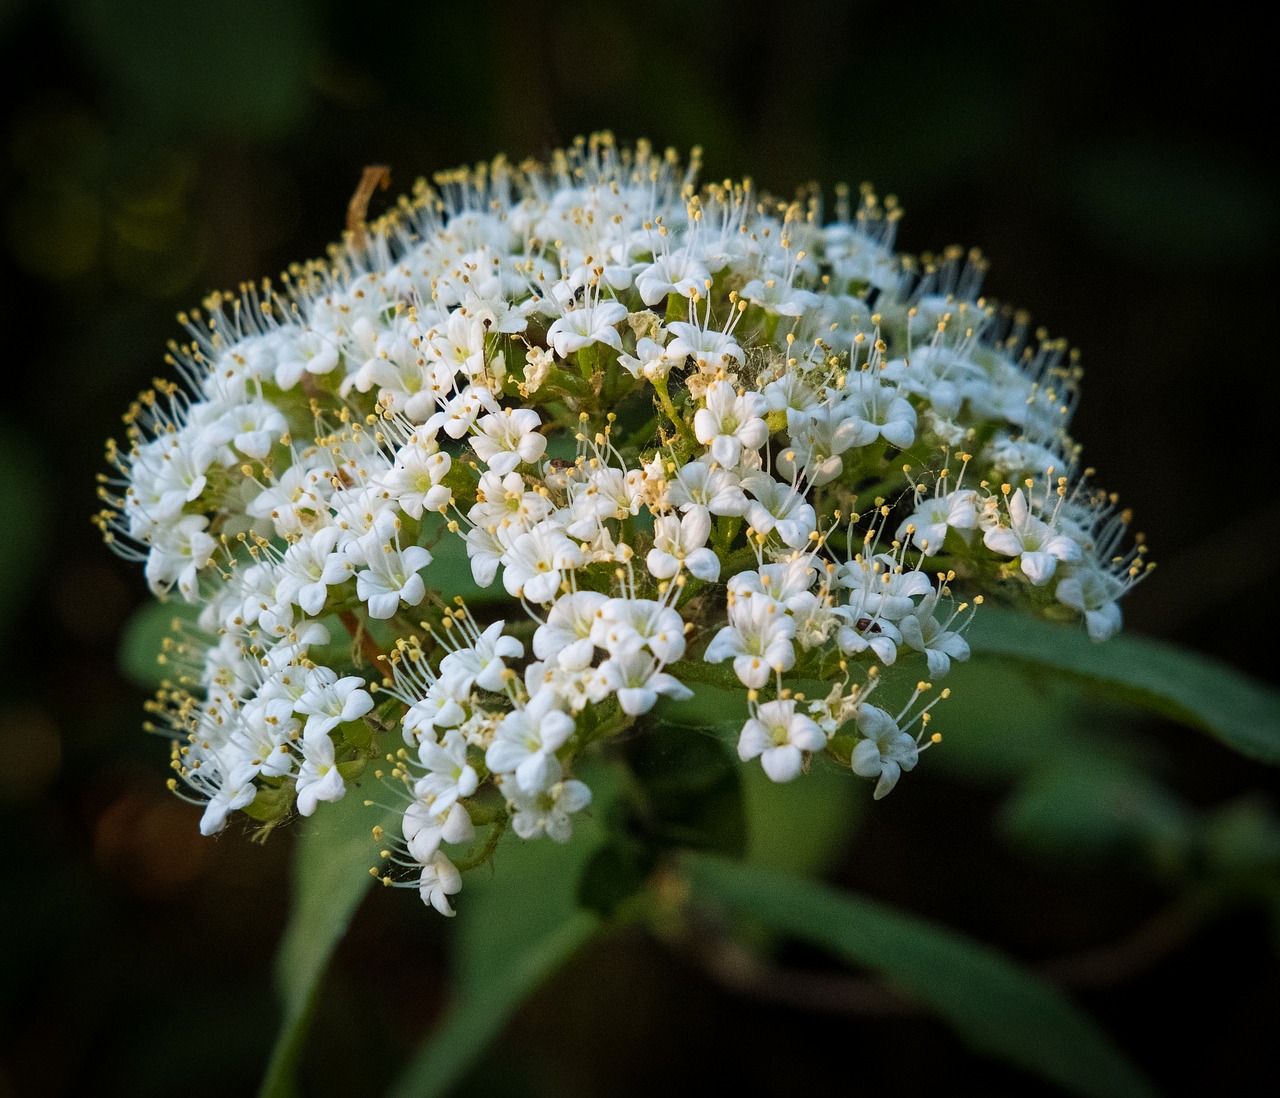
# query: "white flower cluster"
{"type": "Point", "coordinates": [697, 435]}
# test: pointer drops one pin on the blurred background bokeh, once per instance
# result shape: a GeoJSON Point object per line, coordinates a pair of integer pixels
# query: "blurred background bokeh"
{"type": "Point", "coordinates": [1117, 171]}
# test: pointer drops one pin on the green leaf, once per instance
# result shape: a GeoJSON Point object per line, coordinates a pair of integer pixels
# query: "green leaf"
{"type": "Point", "coordinates": [477, 1018]}
{"type": "Point", "coordinates": [1003, 721]}
{"type": "Point", "coordinates": [330, 878]}
{"type": "Point", "coordinates": [689, 785]}
{"type": "Point", "coordinates": [802, 826]}
{"type": "Point", "coordinates": [996, 1007]}
{"type": "Point", "coordinates": [1182, 685]}
{"type": "Point", "coordinates": [617, 872]}
{"type": "Point", "coordinates": [516, 925]}
{"type": "Point", "coordinates": [1083, 811]}
{"type": "Point", "coordinates": [450, 569]}
{"type": "Point", "coordinates": [719, 710]}
{"type": "Point", "coordinates": [1242, 840]}
{"type": "Point", "coordinates": [144, 634]}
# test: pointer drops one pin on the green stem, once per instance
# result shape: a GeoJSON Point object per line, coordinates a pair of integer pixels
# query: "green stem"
{"type": "Point", "coordinates": [770, 327]}
{"type": "Point", "coordinates": [589, 361]}
{"type": "Point", "coordinates": [664, 398]}
{"type": "Point", "coordinates": [486, 851]}
{"type": "Point", "coordinates": [723, 533]}
{"type": "Point", "coordinates": [611, 727]}
{"type": "Point", "coordinates": [483, 814]}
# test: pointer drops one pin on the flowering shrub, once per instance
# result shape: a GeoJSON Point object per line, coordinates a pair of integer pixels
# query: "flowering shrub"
{"type": "Point", "coordinates": [664, 434]}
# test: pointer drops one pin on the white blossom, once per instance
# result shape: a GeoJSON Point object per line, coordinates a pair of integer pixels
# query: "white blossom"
{"type": "Point", "coordinates": [547, 813]}
{"type": "Point", "coordinates": [884, 752]}
{"type": "Point", "coordinates": [779, 737]}
{"type": "Point", "coordinates": [670, 416]}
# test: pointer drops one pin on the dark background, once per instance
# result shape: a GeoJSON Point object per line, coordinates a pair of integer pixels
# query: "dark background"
{"type": "Point", "coordinates": [1116, 171]}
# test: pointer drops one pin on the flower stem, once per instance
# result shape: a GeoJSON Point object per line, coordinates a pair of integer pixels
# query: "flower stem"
{"type": "Point", "coordinates": [664, 398]}
{"type": "Point", "coordinates": [364, 642]}
{"type": "Point", "coordinates": [486, 851]}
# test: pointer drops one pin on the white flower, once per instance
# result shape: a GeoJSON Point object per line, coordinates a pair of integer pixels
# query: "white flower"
{"type": "Point", "coordinates": [481, 663]}
{"type": "Point", "coordinates": [605, 493]}
{"type": "Point", "coordinates": [709, 349]}
{"type": "Point", "coordinates": [449, 776]}
{"type": "Point", "coordinates": [933, 517]}
{"type": "Point", "coordinates": [293, 500]}
{"type": "Point", "coordinates": [680, 543]}
{"type": "Point", "coordinates": [329, 701]}
{"type": "Point", "coordinates": [414, 480]}
{"type": "Point", "coordinates": [177, 554]}
{"type": "Point", "coordinates": [880, 587]}
{"type": "Point", "coordinates": [730, 421]}
{"type": "Point", "coordinates": [651, 360]}
{"type": "Point", "coordinates": [226, 799]}
{"type": "Point", "coordinates": [587, 324]}
{"type": "Point", "coordinates": [304, 351]}
{"type": "Point", "coordinates": [494, 313]}
{"type": "Point", "coordinates": [506, 502]}
{"type": "Point", "coordinates": [757, 639]}
{"type": "Point", "coordinates": [424, 828]}
{"type": "Point", "coordinates": [507, 438]}
{"type": "Point", "coordinates": [624, 626]}
{"type": "Point", "coordinates": [170, 472]}
{"type": "Point", "coordinates": [923, 632]}
{"type": "Point", "coordinates": [535, 560]}
{"type": "Point", "coordinates": [565, 637]}
{"type": "Point", "coordinates": [861, 632]}
{"type": "Point", "coordinates": [819, 434]}
{"type": "Point", "coordinates": [938, 373]}
{"type": "Point", "coordinates": [437, 708]}
{"type": "Point", "coordinates": [885, 752]}
{"type": "Point", "coordinates": [547, 812]}
{"type": "Point", "coordinates": [366, 520]}
{"type": "Point", "coordinates": [789, 582]}
{"type": "Point", "coordinates": [638, 681]}
{"type": "Point", "coordinates": [311, 565]}
{"type": "Point", "coordinates": [779, 508]}
{"type": "Point", "coordinates": [779, 296]}
{"type": "Point", "coordinates": [318, 778]}
{"type": "Point", "coordinates": [391, 579]}
{"type": "Point", "coordinates": [697, 485]}
{"type": "Point", "coordinates": [438, 881]}
{"type": "Point", "coordinates": [485, 550]}
{"type": "Point", "coordinates": [1093, 593]}
{"type": "Point", "coordinates": [460, 345]}
{"type": "Point", "coordinates": [256, 427]}
{"type": "Point", "coordinates": [677, 273]}
{"type": "Point", "coordinates": [779, 737]}
{"type": "Point", "coordinates": [526, 743]}
{"type": "Point", "coordinates": [460, 412]}
{"type": "Point", "coordinates": [879, 411]}
{"type": "Point", "coordinates": [1038, 545]}
{"type": "Point", "coordinates": [265, 732]}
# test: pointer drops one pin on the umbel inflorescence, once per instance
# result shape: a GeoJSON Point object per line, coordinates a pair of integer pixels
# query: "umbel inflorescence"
{"type": "Point", "coordinates": [667, 434]}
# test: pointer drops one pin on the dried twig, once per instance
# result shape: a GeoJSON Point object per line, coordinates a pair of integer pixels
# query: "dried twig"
{"type": "Point", "coordinates": [375, 177]}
